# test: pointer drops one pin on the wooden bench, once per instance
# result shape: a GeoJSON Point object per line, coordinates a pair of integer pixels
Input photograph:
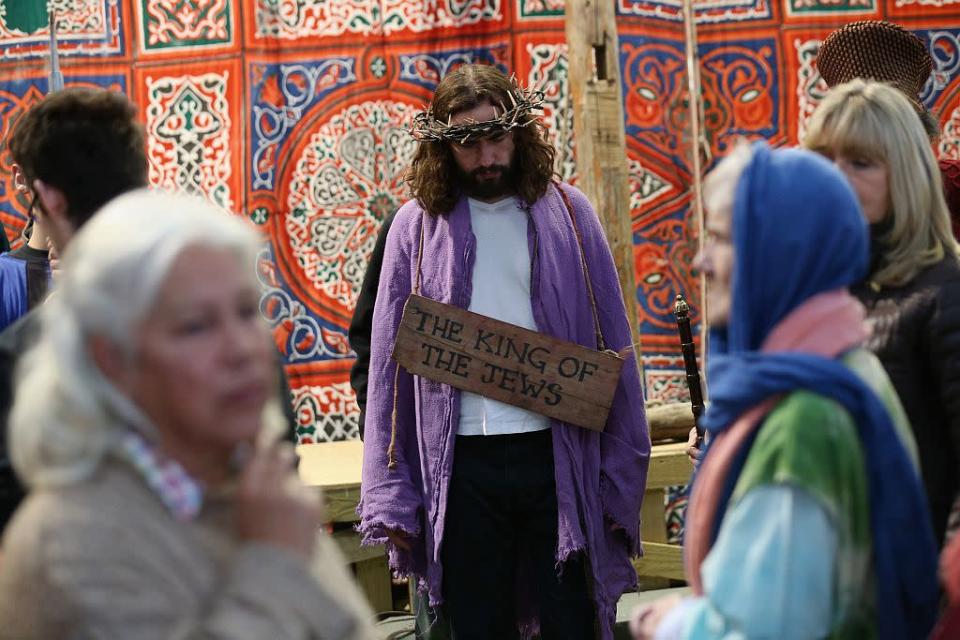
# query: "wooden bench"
{"type": "Point", "coordinates": [335, 467]}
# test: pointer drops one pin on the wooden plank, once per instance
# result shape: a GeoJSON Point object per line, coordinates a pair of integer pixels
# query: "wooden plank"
{"type": "Point", "coordinates": [373, 577]}
{"type": "Point", "coordinates": [669, 466]}
{"type": "Point", "coordinates": [331, 465]}
{"type": "Point", "coordinates": [508, 363]}
{"type": "Point", "coordinates": [353, 551]}
{"type": "Point", "coordinates": [593, 65]}
{"type": "Point", "coordinates": [335, 467]}
{"type": "Point", "coordinates": [670, 421]}
{"type": "Point", "coordinates": [653, 521]}
{"type": "Point", "coordinates": [341, 504]}
{"type": "Point", "coordinates": [660, 560]}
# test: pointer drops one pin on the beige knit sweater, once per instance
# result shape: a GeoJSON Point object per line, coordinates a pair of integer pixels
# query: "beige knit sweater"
{"type": "Point", "coordinates": [105, 559]}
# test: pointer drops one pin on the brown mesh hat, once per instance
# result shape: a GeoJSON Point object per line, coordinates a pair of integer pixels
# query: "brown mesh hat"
{"type": "Point", "coordinates": [876, 50]}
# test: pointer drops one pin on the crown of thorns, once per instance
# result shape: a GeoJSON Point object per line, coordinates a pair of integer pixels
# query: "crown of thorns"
{"type": "Point", "coordinates": [522, 102]}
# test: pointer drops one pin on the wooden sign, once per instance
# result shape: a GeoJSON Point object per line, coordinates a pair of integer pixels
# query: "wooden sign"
{"type": "Point", "coordinates": [508, 363]}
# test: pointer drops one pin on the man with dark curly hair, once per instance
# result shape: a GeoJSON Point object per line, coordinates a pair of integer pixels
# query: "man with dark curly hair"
{"type": "Point", "coordinates": [511, 520]}
{"type": "Point", "coordinates": [62, 157]}
{"type": "Point", "coordinates": [76, 150]}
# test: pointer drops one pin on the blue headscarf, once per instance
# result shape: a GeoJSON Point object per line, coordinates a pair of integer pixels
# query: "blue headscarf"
{"type": "Point", "coordinates": [797, 231]}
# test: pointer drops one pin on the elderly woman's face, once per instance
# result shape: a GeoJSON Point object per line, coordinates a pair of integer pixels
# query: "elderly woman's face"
{"type": "Point", "coordinates": [203, 365]}
{"type": "Point", "coordinates": [716, 261]}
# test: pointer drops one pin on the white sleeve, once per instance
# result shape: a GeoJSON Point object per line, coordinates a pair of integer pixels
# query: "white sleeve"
{"type": "Point", "coordinates": [770, 573]}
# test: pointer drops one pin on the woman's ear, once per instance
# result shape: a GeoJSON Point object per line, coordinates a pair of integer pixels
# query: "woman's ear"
{"type": "Point", "coordinates": [111, 360]}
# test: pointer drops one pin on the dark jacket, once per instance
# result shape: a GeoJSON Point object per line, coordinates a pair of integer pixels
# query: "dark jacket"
{"type": "Point", "coordinates": [362, 323]}
{"type": "Point", "coordinates": [14, 341]}
{"type": "Point", "coordinates": [916, 335]}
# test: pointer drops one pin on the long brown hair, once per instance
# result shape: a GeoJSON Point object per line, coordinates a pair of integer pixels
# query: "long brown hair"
{"type": "Point", "coordinates": [433, 177]}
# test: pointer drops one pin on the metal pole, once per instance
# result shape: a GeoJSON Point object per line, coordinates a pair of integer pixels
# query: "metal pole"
{"type": "Point", "coordinates": [56, 76]}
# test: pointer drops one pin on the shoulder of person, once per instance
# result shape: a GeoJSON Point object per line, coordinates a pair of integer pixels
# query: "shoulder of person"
{"type": "Point", "coordinates": [790, 419]}
{"type": "Point", "coordinates": [808, 440]}
{"type": "Point", "coordinates": [587, 218]}
{"type": "Point", "coordinates": [945, 272]}
{"type": "Point", "coordinates": [404, 225]}
{"type": "Point", "coordinates": [578, 199]}
{"type": "Point", "coordinates": [940, 285]}
{"type": "Point", "coordinates": [96, 516]}
{"type": "Point", "coordinates": [408, 215]}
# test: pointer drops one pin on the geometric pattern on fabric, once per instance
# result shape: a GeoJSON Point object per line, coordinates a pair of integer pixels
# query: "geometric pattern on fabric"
{"type": "Point", "coordinates": [199, 26]}
{"type": "Point", "coordinates": [705, 11]}
{"type": "Point", "coordinates": [292, 114]}
{"type": "Point", "coordinates": [545, 66]}
{"type": "Point", "coordinates": [344, 179]}
{"type": "Point", "coordinates": [743, 98]}
{"type": "Point", "coordinates": [85, 28]}
{"type": "Point", "coordinates": [831, 9]}
{"type": "Point", "coordinates": [326, 413]}
{"type": "Point", "coordinates": [535, 9]}
{"type": "Point", "coordinates": [193, 136]}
{"type": "Point", "coordinates": [910, 9]}
{"type": "Point", "coordinates": [281, 95]}
{"type": "Point", "coordinates": [298, 20]}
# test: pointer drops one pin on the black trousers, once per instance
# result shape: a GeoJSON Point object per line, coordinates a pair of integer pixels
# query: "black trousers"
{"type": "Point", "coordinates": [502, 520]}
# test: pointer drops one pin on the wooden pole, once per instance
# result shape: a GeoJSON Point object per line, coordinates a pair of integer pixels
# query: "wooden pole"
{"type": "Point", "coordinates": [697, 144]}
{"type": "Point", "coordinates": [598, 126]}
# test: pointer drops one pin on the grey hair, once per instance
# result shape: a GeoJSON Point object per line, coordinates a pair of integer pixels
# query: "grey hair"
{"type": "Point", "coordinates": [720, 185]}
{"type": "Point", "coordinates": [66, 413]}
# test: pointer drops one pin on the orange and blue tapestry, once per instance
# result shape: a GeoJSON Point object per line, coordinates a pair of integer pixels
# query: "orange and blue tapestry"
{"type": "Point", "coordinates": [293, 113]}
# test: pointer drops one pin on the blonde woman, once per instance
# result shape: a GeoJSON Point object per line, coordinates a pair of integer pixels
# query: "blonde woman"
{"type": "Point", "coordinates": [912, 292]}
{"type": "Point", "coordinates": [160, 507]}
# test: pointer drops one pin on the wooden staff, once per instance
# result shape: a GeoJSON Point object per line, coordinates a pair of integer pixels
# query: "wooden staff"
{"type": "Point", "coordinates": [682, 311]}
{"type": "Point", "coordinates": [699, 147]}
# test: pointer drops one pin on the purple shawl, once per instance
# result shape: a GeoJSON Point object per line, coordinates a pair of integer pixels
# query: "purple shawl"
{"type": "Point", "coordinates": [600, 477]}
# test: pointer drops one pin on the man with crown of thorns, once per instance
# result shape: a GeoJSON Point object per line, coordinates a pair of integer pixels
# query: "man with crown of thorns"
{"type": "Point", "coordinates": [514, 522]}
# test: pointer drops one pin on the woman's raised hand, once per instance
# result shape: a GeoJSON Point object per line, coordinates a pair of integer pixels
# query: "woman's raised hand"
{"type": "Point", "coordinates": [273, 505]}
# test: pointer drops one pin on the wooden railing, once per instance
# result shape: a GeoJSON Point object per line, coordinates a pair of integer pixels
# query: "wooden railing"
{"type": "Point", "coordinates": [336, 468]}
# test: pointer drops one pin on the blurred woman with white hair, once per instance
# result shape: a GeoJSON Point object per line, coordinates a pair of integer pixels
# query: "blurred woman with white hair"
{"type": "Point", "coordinates": [161, 504]}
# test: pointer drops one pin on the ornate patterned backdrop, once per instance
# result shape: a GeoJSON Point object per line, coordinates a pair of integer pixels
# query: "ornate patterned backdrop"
{"type": "Point", "coordinates": [291, 112]}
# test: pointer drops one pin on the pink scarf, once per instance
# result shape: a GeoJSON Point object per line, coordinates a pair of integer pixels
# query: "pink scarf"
{"type": "Point", "coordinates": [828, 325]}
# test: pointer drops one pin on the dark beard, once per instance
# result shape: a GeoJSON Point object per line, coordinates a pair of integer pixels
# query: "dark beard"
{"type": "Point", "coordinates": [477, 185]}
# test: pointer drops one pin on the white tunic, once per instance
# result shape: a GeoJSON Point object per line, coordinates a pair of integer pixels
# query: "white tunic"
{"type": "Point", "coordinates": [501, 290]}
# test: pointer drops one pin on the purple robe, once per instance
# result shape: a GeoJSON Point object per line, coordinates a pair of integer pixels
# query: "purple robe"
{"type": "Point", "coordinates": [600, 477]}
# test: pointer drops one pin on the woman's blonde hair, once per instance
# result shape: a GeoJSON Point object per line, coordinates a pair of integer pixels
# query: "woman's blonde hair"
{"type": "Point", "coordinates": [874, 121]}
{"type": "Point", "coordinates": [67, 414]}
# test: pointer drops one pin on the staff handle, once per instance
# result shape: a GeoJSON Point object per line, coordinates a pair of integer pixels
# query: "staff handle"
{"type": "Point", "coordinates": [682, 312]}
